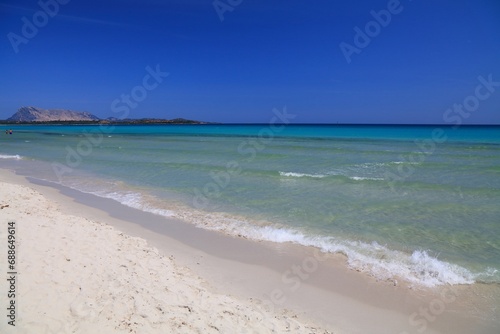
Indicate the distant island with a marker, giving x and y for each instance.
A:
(34, 115)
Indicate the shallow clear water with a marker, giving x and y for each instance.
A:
(419, 202)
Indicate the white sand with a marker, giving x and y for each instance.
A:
(83, 276)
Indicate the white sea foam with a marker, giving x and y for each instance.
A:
(361, 178)
(7, 156)
(292, 174)
(385, 164)
(136, 201)
(404, 162)
(128, 198)
(367, 171)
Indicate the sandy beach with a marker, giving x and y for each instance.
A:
(75, 275)
(84, 270)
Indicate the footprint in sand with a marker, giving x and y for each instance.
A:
(83, 308)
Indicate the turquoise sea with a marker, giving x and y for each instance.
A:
(415, 202)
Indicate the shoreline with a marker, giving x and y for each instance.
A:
(82, 275)
(318, 287)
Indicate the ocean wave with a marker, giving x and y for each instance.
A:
(362, 178)
(134, 200)
(292, 174)
(403, 162)
(7, 156)
(488, 276)
(385, 164)
(418, 268)
(371, 171)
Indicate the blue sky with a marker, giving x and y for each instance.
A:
(262, 55)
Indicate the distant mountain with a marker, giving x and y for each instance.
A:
(33, 114)
(63, 116)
